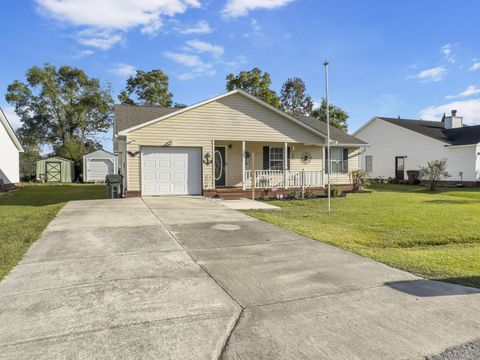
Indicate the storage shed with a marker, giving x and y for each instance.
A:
(98, 164)
(55, 169)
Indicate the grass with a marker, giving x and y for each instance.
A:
(24, 214)
(435, 235)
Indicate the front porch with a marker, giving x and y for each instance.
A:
(240, 166)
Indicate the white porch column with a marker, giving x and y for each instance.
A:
(323, 165)
(243, 165)
(285, 164)
(213, 164)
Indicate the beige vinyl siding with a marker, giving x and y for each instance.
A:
(233, 117)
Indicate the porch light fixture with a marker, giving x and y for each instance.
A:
(230, 146)
(207, 158)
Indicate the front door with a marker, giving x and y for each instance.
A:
(400, 168)
(220, 165)
(53, 170)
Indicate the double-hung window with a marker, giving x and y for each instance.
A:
(276, 158)
(339, 160)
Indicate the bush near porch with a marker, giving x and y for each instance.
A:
(431, 234)
(25, 212)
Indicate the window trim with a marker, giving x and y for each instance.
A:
(342, 163)
(275, 160)
(367, 163)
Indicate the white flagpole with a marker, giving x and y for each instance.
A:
(325, 64)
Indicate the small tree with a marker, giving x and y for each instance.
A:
(255, 82)
(294, 98)
(434, 171)
(338, 117)
(149, 88)
(359, 179)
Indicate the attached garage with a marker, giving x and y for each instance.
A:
(171, 171)
(97, 165)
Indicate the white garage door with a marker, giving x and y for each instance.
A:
(98, 169)
(171, 171)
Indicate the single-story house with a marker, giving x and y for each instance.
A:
(397, 145)
(211, 147)
(98, 164)
(10, 149)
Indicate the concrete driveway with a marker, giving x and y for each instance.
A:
(186, 278)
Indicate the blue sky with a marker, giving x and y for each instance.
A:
(409, 58)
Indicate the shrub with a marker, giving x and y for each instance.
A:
(292, 195)
(335, 191)
(359, 179)
(308, 194)
(434, 171)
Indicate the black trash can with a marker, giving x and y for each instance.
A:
(114, 186)
(413, 177)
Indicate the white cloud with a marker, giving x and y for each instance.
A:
(100, 39)
(12, 117)
(257, 29)
(82, 53)
(236, 8)
(433, 74)
(471, 90)
(475, 66)
(205, 47)
(447, 51)
(109, 18)
(197, 67)
(202, 27)
(469, 109)
(123, 70)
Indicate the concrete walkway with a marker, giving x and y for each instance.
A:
(186, 278)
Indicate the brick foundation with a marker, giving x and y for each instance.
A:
(238, 193)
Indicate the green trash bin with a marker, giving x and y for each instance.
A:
(114, 186)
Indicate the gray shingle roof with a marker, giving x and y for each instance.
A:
(336, 134)
(127, 116)
(435, 129)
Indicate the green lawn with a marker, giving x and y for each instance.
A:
(24, 213)
(435, 235)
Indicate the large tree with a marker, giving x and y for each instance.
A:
(338, 117)
(254, 82)
(59, 107)
(149, 87)
(294, 99)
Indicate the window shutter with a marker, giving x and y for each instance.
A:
(266, 158)
(288, 158)
(345, 160)
(325, 166)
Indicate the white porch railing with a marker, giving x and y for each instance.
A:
(284, 179)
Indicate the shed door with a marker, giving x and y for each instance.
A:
(98, 169)
(171, 171)
(53, 170)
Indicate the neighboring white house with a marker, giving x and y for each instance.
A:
(98, 164)
(398, 145)
(10, 148)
